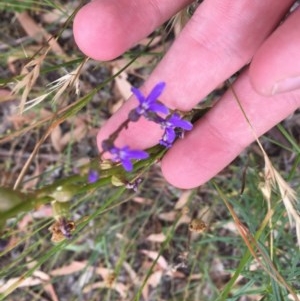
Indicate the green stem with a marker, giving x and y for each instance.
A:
(77, 184)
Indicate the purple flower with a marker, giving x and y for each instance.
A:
(173, 125)
(125, 155)
(93, 176)
(148, 104)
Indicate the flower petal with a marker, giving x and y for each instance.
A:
(138, 94)
(164, 143)
(184, 124)
(93, 176)
(127, 164)
(176, 121)
(136, 154)
(158, 108)
(169, 135)
(156, 92)
(125, 155)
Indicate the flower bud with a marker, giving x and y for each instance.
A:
(64, 193)
(116, 181)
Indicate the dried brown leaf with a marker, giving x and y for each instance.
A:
(58, 15)
(159, 237)
(55, 136)
(47, 284)
(292, 298)
(122, 84)
(38, 278)
(184, 219)
(118, 287)
(152, 281)
(230, 226)
(30, 281)
(41, 212)
(155, 279)
(183, 199)
(74, 267)
(5, 96)
(168, 216)
(37, 32)
(141, 200)
(162, 262)
(77, 134)
(104, 272)
(30, 26)
(132, 274)
(116, 106)
(54, 16)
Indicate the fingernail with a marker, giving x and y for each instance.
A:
(288, 84)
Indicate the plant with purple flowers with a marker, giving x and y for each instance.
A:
(173, 126)
(150, 108)
(149, 104)
(125, 155)
(93, 176)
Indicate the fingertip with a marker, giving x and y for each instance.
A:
(104, 29)
(274, 68)
(96, 30)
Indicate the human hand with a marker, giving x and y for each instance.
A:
(220, 38)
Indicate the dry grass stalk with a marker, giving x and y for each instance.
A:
(255, 249)
(288, 195)
(38, 33)
(266, 189)
(30, 72)
(35, 101)
(70, 80)
(273, 179)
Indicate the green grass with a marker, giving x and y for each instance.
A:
(112, 254)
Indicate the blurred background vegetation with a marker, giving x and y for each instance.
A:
(229, 239)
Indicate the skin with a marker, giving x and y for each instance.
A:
(220, 38)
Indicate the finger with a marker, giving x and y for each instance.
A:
(104, 29)
(223, 133)
(275, 66)
(221, 37)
